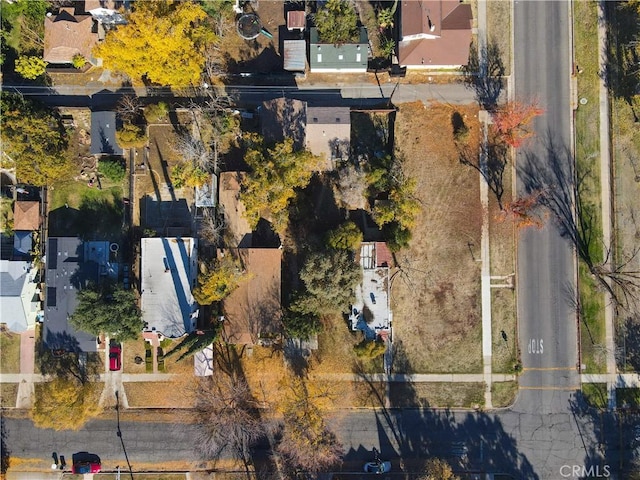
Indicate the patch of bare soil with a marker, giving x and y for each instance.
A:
(436, 291)
(262, 54)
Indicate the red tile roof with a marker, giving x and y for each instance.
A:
(296, 19)
(66, 35)
(26, 216)
(435, 33)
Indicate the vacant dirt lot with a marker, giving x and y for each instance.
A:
(436, 292)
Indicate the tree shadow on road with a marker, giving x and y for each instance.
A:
(469, 440)
(613, 431)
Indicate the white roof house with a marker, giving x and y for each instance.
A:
(371, 311)
(19, 295)
(168, 273)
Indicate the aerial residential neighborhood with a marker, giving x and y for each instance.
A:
(287, 239)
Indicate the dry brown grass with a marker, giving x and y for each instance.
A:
(174, 393)
(436, 293)
(499, 29)
(444, 395)
(130, 350)
(8, 395)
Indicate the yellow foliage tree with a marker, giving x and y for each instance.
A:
(437, 469)
(65, 404)
(189, 175)
(217, 283)
(275, 175)
(163, 43)
(307, 443)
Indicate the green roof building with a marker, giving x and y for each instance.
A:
(344, 58)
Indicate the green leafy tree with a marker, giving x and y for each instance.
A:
(346, 237)
(130, 135)
(330, 279)
(163, 43)
(65, 404)
(275, 175)
(337, 22)
(298, 324)
(23, 26)
(112, 168)
(111, 310)
(30, 67)
(217, 283)
(34, 139)
(369, 348)
(401, 207)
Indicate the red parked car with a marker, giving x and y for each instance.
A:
(86, 467)
(114, 357)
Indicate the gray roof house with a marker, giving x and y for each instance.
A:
(324, 131)
(103, 134)
(344, 58)
(19, 295)
(169, 271)
(67, 271)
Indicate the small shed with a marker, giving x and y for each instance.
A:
(207, 193)
(296, 20)
(295, 55)
(103, 134)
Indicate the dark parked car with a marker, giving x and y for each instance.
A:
(115, 352)
(377, 467)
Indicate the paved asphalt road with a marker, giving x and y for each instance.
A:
(248, 96)
(526, 446)
(546, 279)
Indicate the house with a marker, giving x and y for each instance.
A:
(233, 209)
(168, 274)
(324, 131)
(343, 58)
(20, 304)
(26, 219)
(371, 311)
(103, 134)
(328, 134)
(26, 215)
(67, 271)
(252, 312)
(434, 34)
(67, 34)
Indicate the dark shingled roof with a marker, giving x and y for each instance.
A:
(66, 273)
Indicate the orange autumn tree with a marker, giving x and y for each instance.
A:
(511, 122)
(523, 211)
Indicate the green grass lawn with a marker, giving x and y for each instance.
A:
(587, 124)
(592, 336)
(595, 394)
(503, 394)
(91, 213)
(9, 352)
